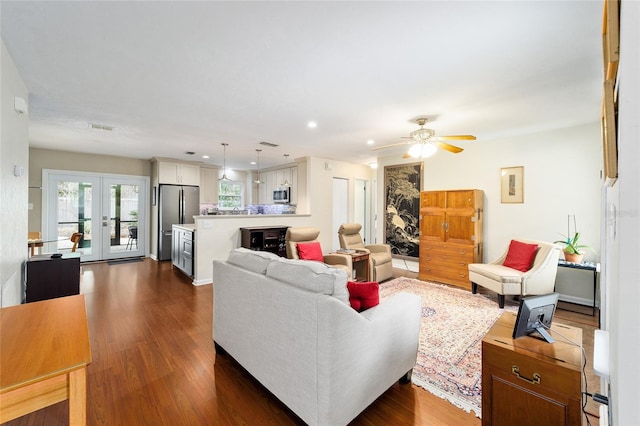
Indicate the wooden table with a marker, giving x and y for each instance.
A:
(360, 262)
(527, 381)
(44, 353)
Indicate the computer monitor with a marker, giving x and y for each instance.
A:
(535, 315)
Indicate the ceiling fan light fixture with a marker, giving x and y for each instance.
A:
(422, 134)
(422, 150)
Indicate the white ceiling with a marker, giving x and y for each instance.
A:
(184, 76)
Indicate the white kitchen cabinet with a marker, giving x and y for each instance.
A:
(265, 193)
(208, 185)
(273, 180)
(293, 194)
(178, 173)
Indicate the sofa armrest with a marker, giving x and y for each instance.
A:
(363, 354)
(542, 279)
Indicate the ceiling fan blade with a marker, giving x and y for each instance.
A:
(390, 146)
(455, 138)
(450, 148)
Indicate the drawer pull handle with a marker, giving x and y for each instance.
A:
(536, 377)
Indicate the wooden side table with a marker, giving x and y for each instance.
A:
(44, 356)
(527, 381)
(360, 262)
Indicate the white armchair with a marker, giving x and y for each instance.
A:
(380, 260)
(540, 279)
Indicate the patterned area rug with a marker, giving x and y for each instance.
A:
(454, 321)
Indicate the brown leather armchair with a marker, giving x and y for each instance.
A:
(310, 235)
(380, 260)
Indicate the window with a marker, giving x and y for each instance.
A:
(230, 195)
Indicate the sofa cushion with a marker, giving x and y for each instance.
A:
(311, 276)
(310, 251)
(254, 261)
(520, 255)
(363, 295)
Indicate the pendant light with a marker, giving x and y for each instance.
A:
(258, 181)
(286, 181)
(224, 170)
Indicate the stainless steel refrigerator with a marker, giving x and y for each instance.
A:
(177, 204)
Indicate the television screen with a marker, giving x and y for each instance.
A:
(535, 315)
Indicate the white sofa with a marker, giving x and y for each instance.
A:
(289, 324)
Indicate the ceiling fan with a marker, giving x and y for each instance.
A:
(424, 143)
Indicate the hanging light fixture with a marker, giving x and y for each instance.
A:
(422, 150)
(224, 170)
(258, 181)
(286, 181)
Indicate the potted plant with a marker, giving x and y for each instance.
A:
(573, 252)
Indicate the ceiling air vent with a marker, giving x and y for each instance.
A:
(100, 127)
(269, 144)
(189, 152)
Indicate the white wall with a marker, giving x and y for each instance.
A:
(623, 279)
(561, 177)
(14, 151)
(320, 174)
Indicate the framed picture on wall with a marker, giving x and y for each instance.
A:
(402, 186)
(512, 184)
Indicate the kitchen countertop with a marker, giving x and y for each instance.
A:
(253, 216)
(186, 226)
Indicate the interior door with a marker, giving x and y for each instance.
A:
(361, 211)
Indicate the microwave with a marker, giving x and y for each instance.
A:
(281, 196)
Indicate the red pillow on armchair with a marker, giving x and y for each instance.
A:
(520, 255)
(310, 251)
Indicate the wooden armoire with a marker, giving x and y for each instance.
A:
(450, 235)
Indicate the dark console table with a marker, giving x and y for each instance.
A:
(48, 277)
(265, 238)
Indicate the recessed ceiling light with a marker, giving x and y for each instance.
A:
(370, 142)
(253, 163)
(373, 165)
(312, 124)
(205, 156)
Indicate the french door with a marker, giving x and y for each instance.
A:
(108, 210)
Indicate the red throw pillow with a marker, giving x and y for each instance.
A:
(363, 296)
(310, 251)
(520, 255)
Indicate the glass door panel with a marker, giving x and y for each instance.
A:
(71, 208)
(124, 199)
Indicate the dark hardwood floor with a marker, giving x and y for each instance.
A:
(154, 362)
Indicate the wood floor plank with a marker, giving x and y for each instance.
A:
(154, 362)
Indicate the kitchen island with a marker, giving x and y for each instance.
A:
(217, 235)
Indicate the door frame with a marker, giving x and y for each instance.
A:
(143, 218)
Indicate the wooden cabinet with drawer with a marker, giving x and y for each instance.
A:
(450, 235)
(527, 381)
